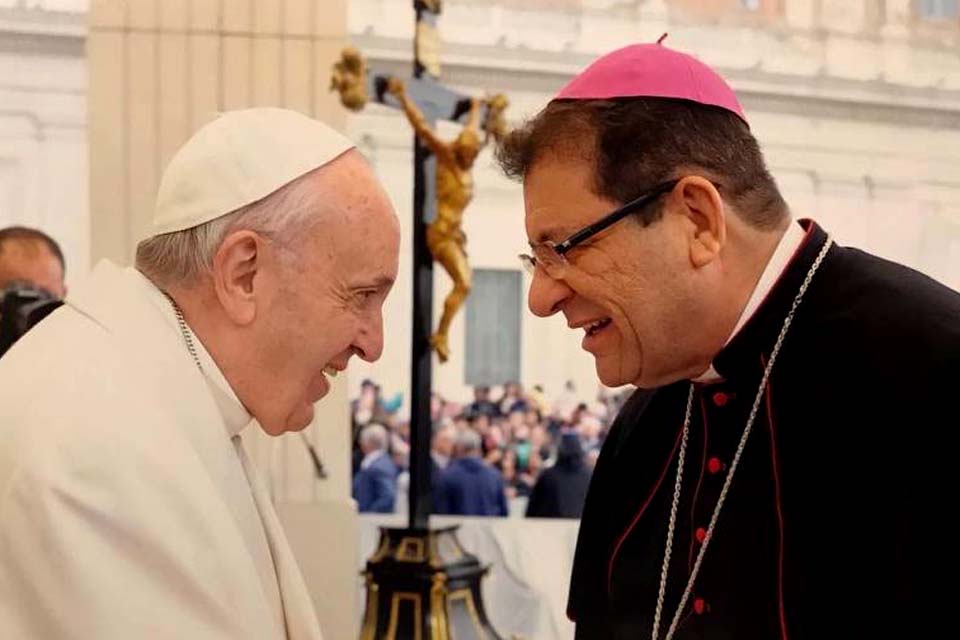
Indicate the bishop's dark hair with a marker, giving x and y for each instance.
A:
(637, 143)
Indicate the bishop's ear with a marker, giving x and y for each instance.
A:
(235, 267)
(705, 214)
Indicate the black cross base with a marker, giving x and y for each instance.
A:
(422, 584)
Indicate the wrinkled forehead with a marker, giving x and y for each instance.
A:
(559, 198)
(360, 236)
(351, 199)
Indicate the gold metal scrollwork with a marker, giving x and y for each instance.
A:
(349, 79)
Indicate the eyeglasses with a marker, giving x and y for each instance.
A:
(551, 255)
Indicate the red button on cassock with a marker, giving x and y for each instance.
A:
(714, 465)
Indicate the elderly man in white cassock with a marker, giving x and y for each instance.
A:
(128, 506)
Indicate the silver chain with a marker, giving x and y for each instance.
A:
(673, 515)
(733, 465)
(184, 330)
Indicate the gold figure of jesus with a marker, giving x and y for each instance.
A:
(445, 237)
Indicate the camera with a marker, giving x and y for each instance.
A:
(22, 305)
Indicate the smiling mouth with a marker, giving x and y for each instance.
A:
(596, 326)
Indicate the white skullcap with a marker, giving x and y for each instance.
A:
(239, 158)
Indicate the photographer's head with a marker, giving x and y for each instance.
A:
(31, 257)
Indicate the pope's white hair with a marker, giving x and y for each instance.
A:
(181, 257)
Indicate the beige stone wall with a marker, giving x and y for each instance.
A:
(160, 69)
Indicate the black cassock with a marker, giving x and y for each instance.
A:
(839, 520)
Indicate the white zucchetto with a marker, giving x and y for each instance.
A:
(238, 158)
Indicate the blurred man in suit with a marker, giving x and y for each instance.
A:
(375, 484)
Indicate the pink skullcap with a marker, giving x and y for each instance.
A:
(651, 71)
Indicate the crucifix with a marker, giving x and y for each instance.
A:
(421, 582)
(443, 188)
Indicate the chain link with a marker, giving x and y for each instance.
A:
(184, 330)
(673, 515)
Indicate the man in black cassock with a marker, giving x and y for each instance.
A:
(785, 468)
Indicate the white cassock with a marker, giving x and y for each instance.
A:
(128, 508)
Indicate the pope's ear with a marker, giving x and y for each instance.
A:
(235, 266)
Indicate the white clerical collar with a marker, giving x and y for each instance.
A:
(789, 243)
(235, 416)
